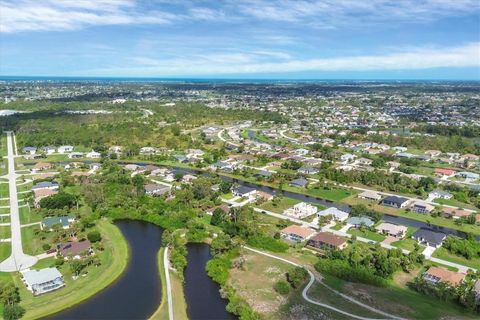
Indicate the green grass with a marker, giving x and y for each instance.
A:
(114, 260)
(455, 203)
(444, 254)
(32, 244)
(5, 232)
(400, 301)
(178, 297)
(29, 215)
(280, 206)
(4, 192)
(367, 234)
(5, 250)
(407, 244)
(338, 226)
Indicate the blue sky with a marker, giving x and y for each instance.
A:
(383, 39)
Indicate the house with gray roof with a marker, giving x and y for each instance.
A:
(63, 221)
(299, 182)
(43, 280)
(360, 221)
(429, 237)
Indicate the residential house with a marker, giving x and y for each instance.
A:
(455, 213)
(49, 149)
(43, 280)
(440, 194)
(391, 229)
(301, 210)
(115, 150)
(421, 207)
(364, 162)
(436, 275)
(75, 155)
(443, 172)
(63, 221)
(188, 178)
(429, 237)
(75, 249)
(357, 222)
(93, 154)
(476, 289)
(156, 190)
(45, 185)
(370, 195)
(148, 150)
(337, 214)
(243, 191)
(327, 240)
(65, 149)
(39, 194)
(300, 182)
(395, 202)
(297, 233)
(40, 166)
(29, 150)
(195, 154)
(433, 153)
(308, 170)
(468, 175)
(348, 157)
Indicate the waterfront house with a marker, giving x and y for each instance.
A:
(49, 150)
(93, 154)
(297, 233)
(421, 207)
(29, 150)
(395, 202)
(40, 166)
(75, 249)
(43, 280)
(370, 195)
(308, 170)
(327, 240)
(392, 230)
(455, 213)
(65, 149)
(429, 237)
(75, 155)
(357, 222)
(300, 182)
(435, 275)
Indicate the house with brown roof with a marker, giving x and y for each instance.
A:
(297, 233)
(39, 194)
(454, 213)
(436, 275)
(75, 249)
(443, 172)
(327, 240)
(40, 166)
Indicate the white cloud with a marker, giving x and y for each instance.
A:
(254, 63)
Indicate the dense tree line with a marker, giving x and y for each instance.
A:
(468, 248)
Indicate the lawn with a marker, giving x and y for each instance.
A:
(32, 244)
(338, 226)
(444, 254)
(4, 192)
(455, 203)
(367, 234)
(5, 232)
(179, 304)
(407, 244)
(5, 250)
(408, 303)
(330, 194)
(28, 215)
(114, 260)
(279, 206)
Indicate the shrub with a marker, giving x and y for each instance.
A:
(282, 287)
(268, 243)
(343, 270)
(296, 276)
(94, 236)
(46, 246)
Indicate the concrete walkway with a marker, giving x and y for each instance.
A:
(312, 281)
(17, 260)
(166, 266)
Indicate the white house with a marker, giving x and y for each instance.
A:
(65, 149)
(43, 280)
(348, 157)
(93, 154)
(337, 214)
(440, 194)
(301, 210)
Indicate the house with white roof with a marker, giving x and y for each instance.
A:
(301, 210)
(336, 213)
(43, 280)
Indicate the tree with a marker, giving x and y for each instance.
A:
(282, 287)
(13, 312)
(94, 236)
(296, 276)
(218, 217)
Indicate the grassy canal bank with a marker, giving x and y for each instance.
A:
(114, 260)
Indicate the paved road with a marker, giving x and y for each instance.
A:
(312, 281)
(17, 260)
(166, 266)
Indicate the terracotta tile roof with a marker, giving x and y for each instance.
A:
(444, 171)
(451, 277)
(329, 238)
(299, 231)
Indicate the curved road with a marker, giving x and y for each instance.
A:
(311, 282)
